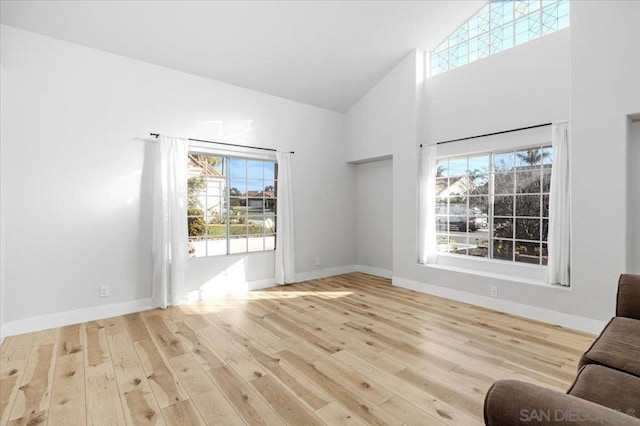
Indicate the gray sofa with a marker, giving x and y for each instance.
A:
(606, 390)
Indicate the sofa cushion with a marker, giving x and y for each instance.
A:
(611, 388)
(628, 304)
(618, 346)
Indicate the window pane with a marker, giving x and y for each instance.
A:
(457, 186)
(255, 187)
(503, 162)
(458, 244)
(503, 205)
(528, 182)
(215, 209)
(458, 166)
(442, 205)
(479, 164)
(238, 187)
(545, 254)
(528, 205)
(547, 156)
(545, 206)
(478, 184)
(503, 249)
(238, 245)
(503, 183)
(255, 169)
(442, 242)
(217, 231)
(269, 170)
(442, 223)
(441, 185)
(503, 228)
(478, 213)
(255, 224)
(270, 224)
(255, 243)
(196, 226)
(270, 242)
(197, 247)
(216, 247)
(270, 205)
(527, 252)
(528, 229)
(546, 181)
(238, 168)
(545, 229)
(478, 247)
(529, 157)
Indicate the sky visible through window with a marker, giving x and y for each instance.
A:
(498, 26)
(251, 175)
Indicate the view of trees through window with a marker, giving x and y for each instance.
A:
(231, 205)
(495, 205)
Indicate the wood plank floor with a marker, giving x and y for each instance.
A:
(349, 349)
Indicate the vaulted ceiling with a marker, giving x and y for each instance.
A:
(322, 53)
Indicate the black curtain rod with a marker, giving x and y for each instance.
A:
(157, 135)
(494, 133)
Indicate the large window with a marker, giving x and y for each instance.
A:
(495, 204)
(498, 26)
(231, 205)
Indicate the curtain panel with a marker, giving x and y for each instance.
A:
(427, 203)
(170, 242)
(559, 240)
(285, 244)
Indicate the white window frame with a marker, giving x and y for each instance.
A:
(512, 141)
(202, 148)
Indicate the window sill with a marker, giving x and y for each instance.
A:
(506, 271)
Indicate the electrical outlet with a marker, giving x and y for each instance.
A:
(494, 291)
(318, 261)
(103, 290)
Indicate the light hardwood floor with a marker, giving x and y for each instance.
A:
(349, 349)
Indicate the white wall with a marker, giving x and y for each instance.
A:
(605, 91)
(578, 74)
(77, 171)
(2, 201)
(633, 215)
(526, 85)
(375, 216)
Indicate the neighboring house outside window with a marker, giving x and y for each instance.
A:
(498, 26)
(231, 205)
(495, 204)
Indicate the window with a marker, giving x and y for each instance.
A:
(231, 205)
(498, 26)
(495, 204)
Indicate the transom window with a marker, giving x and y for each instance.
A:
(495, 204)
(498, 26)
(231, 205)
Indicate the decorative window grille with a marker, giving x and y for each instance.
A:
(231, 205)
(498, 26)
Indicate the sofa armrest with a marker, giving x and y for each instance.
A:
(511, 402)
(628, 302)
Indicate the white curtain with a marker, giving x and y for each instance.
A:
(170, 238)
(560, 208)
(285, 246)
(427, 203)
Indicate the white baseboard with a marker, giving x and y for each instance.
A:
(378, 272)
(323, 273)
(61, 319)
(575, 322)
